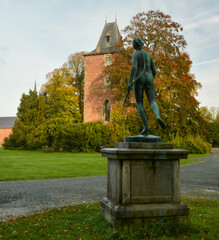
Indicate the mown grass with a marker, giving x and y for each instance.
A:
(35, 165)
(192, 158)
(84, 222)
(31, 165)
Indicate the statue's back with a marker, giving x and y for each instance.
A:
(144, 62)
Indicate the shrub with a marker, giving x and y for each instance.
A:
(84, 137)
(77, 137)
(194, 144)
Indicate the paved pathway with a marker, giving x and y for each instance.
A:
(202, 178)
(24, 197)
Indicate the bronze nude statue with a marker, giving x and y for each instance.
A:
(142, 76)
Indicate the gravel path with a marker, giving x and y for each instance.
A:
(202, 178)
(25, 197)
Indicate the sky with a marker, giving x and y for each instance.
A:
(37, 36)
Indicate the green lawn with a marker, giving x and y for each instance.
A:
(30, 165)
(192, 158)
(84, 222)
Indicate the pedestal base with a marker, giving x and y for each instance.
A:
(141, 214)
(143, 184)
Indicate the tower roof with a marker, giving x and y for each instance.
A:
(109, 36)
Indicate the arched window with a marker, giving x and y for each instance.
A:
(106, 110)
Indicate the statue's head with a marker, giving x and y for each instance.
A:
(137, 43)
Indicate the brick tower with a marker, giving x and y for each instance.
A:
(98, 98)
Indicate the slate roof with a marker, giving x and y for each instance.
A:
(7, 122)
(109, 36)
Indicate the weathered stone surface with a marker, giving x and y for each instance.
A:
(142, 138)
(131, 214)
(143, 145)
(143, 183)
(136, 154)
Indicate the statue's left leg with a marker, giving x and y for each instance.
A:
(138, 88)
(149, 90)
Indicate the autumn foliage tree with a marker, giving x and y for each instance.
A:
(43, 116)
(176, 88)
(76, 65)
(62, 99)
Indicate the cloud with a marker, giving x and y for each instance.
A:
(38, 36)
(207, 62)
(200, 31)
(208, 76)
(201, 22)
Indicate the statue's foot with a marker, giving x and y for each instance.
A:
(162, 123)
(145, 132)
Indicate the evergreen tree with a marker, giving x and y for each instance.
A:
(27, 115)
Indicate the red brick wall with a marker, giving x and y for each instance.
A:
(4, 133)
(95, 93)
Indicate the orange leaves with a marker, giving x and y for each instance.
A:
(157, 30)
(175, 86)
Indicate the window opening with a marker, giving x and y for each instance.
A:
(106, 81)
(107, 109)
(108, 38)
(108, 60)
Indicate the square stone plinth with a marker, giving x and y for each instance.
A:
(143, 183)
(141, 214)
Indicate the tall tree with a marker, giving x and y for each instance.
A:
(27, 121)
(62, 99)
(176, 88)
(214, 111)
(76, 65)
(158, 32)
(61, 103)
(207, 116)
(28, 108)
(211, 116)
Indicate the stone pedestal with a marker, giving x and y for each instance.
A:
(143, 183)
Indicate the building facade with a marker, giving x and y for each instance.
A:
(6, 124)
(98, 98)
